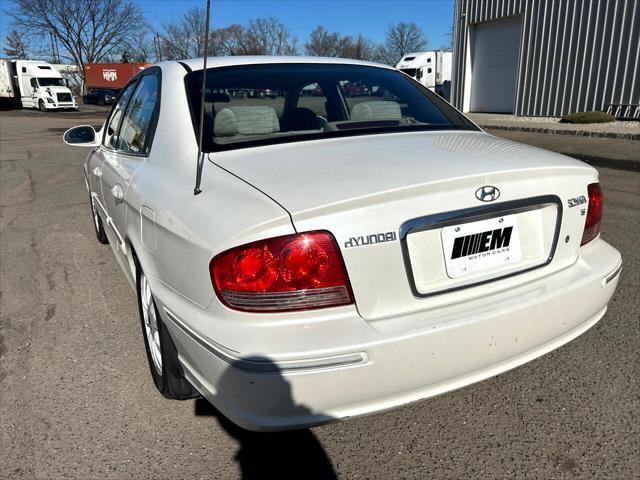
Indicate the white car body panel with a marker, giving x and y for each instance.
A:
(404, 359)
(348, 184)
(392, 346)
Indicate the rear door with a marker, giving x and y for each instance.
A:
(97, 159)
(125, 150)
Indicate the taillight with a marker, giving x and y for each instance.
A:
(293, 272)
(594, 213)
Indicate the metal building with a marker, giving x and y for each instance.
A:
(547, 57)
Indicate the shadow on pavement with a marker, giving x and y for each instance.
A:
(293, 454)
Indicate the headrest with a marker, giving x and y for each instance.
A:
(255, 120)
(377, 110)
(300, 119)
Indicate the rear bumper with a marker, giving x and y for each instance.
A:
(411, 357)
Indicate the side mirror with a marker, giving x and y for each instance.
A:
(83, 136)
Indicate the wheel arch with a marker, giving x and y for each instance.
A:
(138, 258)
(132, 257)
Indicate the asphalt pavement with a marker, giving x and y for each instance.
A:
(599, 152)
(77, 400)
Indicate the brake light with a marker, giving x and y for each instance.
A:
(293, 272)
(594, 213)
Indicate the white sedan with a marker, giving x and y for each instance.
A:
(339, 255)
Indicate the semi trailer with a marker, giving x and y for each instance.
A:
(33, 84)
(432, 69)
(113, 76)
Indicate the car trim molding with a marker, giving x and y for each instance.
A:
(107, 219)
(267, 367)
(186, 67)
(466, 215)
(609, 278)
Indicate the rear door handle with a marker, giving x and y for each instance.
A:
(117, 193)
(97, 171)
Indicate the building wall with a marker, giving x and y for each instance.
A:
(575, 55)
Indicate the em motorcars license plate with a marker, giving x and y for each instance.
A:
(481, 246)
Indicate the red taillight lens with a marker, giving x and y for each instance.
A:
(594, 213)
(294, 272)
(255, 269)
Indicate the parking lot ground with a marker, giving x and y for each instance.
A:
(629, 129)
(77, 400)
(599, 152)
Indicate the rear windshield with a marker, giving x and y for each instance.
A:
(275, 103)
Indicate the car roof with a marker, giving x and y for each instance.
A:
(213, 62)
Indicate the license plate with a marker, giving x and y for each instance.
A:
(481, 246)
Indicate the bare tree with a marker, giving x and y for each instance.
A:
(322, 43)
(402, 38)
(262, 36)
(87, 30)
(184, 38)
(15, 45)
(267, 36)
(140, 47)
(227, 40)
(325, 44)
(360, 48)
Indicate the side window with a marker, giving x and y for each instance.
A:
(134, 129)
(110, 137)
(313, 98)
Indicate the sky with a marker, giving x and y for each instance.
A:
(349, 17)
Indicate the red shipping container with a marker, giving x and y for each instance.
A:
(110, 75)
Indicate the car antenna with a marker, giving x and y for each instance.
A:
(197, 190)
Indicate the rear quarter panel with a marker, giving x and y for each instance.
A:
(190, 229)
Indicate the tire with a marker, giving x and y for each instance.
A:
(101, 102)
(162, 355)
(101, 235)
(41, 106)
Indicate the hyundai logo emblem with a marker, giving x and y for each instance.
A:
(488, 193)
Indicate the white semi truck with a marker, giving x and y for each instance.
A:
(432, 69)
(33, 84)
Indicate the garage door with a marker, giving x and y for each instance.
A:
(496, 46)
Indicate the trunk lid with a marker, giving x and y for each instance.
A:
(394, 201)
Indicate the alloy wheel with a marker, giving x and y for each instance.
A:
(150, 323)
